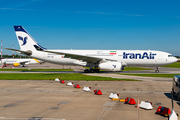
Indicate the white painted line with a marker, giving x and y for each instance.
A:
(29, 118)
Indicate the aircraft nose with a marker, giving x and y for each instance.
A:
(172, 59)
(175, 59)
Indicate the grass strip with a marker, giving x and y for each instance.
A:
(173, 65)
(151, 75)
(36, 70)
(135, 68)
(52, 76)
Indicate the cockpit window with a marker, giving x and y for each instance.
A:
(170, 56)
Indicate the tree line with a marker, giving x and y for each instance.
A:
(15, 56)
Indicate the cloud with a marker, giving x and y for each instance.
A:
(94, 12)
(104, 13)
(20, 5)
(16, 9)
(134, 15)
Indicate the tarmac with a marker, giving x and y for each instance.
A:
(129, 77)
(50, 100)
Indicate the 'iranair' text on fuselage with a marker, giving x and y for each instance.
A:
(145, 55)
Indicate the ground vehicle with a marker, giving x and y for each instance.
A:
(176, 86)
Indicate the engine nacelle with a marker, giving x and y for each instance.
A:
(16, 64)
(113, 66)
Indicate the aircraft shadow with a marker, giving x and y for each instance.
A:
(174, 98)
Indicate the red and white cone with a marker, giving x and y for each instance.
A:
(137, 103)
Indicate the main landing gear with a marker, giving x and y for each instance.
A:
(157, 70)
(91, 70)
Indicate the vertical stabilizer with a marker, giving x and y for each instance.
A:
(26, 42)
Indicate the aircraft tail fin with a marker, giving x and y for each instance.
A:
(26, 42)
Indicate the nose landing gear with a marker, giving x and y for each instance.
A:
(157, 70)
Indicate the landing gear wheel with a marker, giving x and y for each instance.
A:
(157, 70)
(97, 70)
(86, 71)
(92, 70)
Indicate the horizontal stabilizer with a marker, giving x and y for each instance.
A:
(28, 53)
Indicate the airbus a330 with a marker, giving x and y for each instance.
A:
(112, 60)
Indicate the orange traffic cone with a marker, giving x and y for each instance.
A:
(137, 103)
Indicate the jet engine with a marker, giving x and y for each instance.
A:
(113, 66)
(16, 64)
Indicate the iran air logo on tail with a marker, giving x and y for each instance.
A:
(23, 39)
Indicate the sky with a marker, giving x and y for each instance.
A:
(94, 24)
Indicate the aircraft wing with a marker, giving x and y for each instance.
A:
(23, 62)
(20, 51)
(78, 56)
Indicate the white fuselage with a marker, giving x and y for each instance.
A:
(127, 57)
(104, 59)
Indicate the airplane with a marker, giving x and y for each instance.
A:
(112, 60)
(16, 62)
